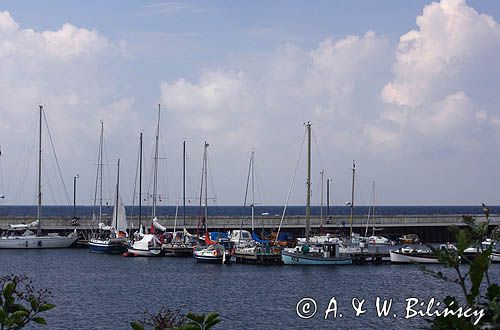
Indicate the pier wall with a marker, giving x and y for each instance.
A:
(430, 228)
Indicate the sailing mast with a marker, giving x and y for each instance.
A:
(203, 185)
(98, 177)
(101, 142)
(184, 184)
(352, 197)
(140, 181)
(155, 175)
(253, 192)
(39, 208)
(250, 173)
(117, 192)
(328, 197)
(308, 200)
(321, 207)
(205, 166)
(371, 210)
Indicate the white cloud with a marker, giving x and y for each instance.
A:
(66, 43)
(290, 86)
(432, 97)
(61, 69)
(263, 105)
(444, 78)
(452, 41)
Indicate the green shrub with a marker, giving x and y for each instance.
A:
(20, 303)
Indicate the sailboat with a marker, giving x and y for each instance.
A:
(374, 239)
(111, 238)
(212, 251)
(248, 248)
(313, 254)
(21, 237)
(179, 245)
(149, 245)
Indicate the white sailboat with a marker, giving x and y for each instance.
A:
(179, 244)
(374, 239)
(248, 248)
(212, 251)
(111, 238)
(149, 245)
(23, 238)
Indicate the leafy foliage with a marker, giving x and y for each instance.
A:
(172, 320)
(202, 321)
(471, 272)
(20, 303)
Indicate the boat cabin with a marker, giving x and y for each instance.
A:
(240, 237)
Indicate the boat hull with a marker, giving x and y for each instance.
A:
(290, 258)
(153, 252)
(37, 242)
(204, 256)
(209, 260)
(408, 258)
(172, 250)
(107, 247)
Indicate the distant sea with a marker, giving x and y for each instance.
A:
(85, 211)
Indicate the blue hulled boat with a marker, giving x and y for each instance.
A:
(324, 254)
(108, 245)
(113, 238)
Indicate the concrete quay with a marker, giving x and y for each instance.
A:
(430, 228)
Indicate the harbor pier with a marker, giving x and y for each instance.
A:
(430, 228)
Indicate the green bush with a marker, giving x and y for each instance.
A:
(470, 274)
(20, 303)
(173, 320)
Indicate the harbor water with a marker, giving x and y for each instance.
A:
(94, 291)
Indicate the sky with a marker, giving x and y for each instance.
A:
(407, 89)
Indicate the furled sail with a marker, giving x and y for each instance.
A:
(186, 233)
(121, 217)
(158, 225)
(23, 225)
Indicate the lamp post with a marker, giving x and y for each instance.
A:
(328, 197)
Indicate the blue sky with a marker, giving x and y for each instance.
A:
(413, 100)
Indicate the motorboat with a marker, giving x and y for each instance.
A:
(213, 253)
(326, 254)
(241, 238)
(409, 239)
(411, 255)
(378, 240)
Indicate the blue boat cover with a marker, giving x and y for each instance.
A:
(258, 240)
(215, 235)
(285, 237)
